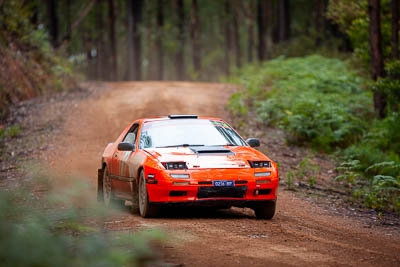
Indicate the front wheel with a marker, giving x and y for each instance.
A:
(265, 210)
(146, 209)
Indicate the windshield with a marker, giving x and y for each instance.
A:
(188, 132)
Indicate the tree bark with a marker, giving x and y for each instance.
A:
(262, 16)
(130, 65)
(318, 21)
(160, 51)
(377, 67)
(395, 29)
(195, 37)
(53, 21)
(275, 22)
(134, 71)
(250, 46)
(113, 40)
(227, 36)
(236, 37)
(101, 57)
(180, 56)
(284, 20)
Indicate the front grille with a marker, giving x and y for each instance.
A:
(205, 182)
(222, 191)
(177, 193)
(241, 182)
(264, 191)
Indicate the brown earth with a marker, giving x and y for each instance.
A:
(301, 233)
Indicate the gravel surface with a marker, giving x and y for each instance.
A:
(312, 226)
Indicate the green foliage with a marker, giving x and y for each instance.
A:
(58, 230)
(306, 168)
(315, 99)
(390, 85)
(352, 17)
(319, 101)
(28, 64)
(372, 166)
(289, 180)
(10, 132)
(236, 104)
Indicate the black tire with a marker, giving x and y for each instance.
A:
(146, 209)
(266, 210)
(135, 199)
(108, 195)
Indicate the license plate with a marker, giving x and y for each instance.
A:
(223, 183)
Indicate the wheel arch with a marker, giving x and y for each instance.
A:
(140, 169)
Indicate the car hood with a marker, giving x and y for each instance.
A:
(201, 157)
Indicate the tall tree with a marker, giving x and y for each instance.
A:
(101, 56)
(377, 67)
(194, 33)
(247, 10)
(395, 29)
(236, 36)
(180, 55)
(227, 35)
(53, 21)
(160, 51)
(68, 20)
(262, 19)
(318, 21)
(134, 8)
(284, 20)
(113, 40)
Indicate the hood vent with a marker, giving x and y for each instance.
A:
(211, 150)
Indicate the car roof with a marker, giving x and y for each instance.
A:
(164, 118)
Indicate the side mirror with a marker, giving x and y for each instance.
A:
(253, 142)
(126, 146)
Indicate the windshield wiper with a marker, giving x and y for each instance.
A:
(181, 145)
(226, 145)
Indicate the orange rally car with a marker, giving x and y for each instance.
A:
(187, 160)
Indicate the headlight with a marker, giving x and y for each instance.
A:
(179, 175)
(260, 164)
(262, 174)
(175, 165)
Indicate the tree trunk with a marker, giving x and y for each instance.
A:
(262, 16)
(160, 52)
(250, 46)
(227, 36)
(180, 56)
(377, 67)
(236, 37)
(318, 21)
(275, 22)
(53, 21)
(130, 65)
(69, 22)
(101, 57)
(284, 20)
(194, 35)
(113, 40)
(395, 29)
(134, 8)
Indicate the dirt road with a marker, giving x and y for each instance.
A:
(301, 233)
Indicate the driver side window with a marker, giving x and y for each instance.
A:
(132, 134)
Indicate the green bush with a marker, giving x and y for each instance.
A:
(315, 99)
(65, 228)
(322, 103)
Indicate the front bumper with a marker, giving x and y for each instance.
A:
(222, 203)
(199, 189)
(199, 195)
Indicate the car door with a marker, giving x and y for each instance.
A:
(121, 180)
